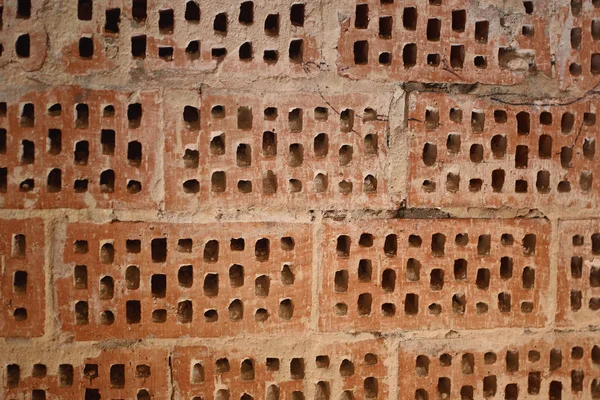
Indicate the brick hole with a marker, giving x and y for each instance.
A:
(459, 302)
(139, 10)
(185, 276)
(595, 277)
(370, 359)
(555, 392)
(217, 148)
(272, 25)
(192, 11)
(460, 269)
(528, 31)
(134, 153)
(409, 18)
(107, 317)
(409, 55)
(361, 20)
(159, 250)
(19, 246)
(459, 20)
(191, 116)
(498, 176)
(345, 155)
(589, 148)
(489, 358)
(84, 10)
(390, 246)
(3, 140)
(193, 49)
(529, 243)
(65, 375)
(577, 353)
(500, 116)
(107, 288)
(468, 364)
(117, 376)
(457, 56)
(438, 242)
(243, 155)
(576, 34)
(297, 14)
(211, 316)
(246, 13)
(272, 364)
(481, 31)
(247, 370)
(286, 309)
(429, 154)
(489, 386)
(297, 368)
(388, 309)
(245, 52)
(113, 19)
(262, 249)
(23, 46)
(589, 119)
(575, 299)
(528, 278)
(443, 388)
(585, 181)
(385, 27)
(273, 392)
(107, 253)
(197, 375)
(453, 143)
(108, 112)
(421, 394)
(271, 56)
(506, 268)
(511, 391)
(577, 380)
(321, 145)
(512, 361)
(38, 394)
(26, 186)
(158, 285)
(81, 313)
(86, 48)
(218, 182)
(185, 245)
(567, 122)
(475, 185)
(477, 121)
(269, 182)
(364, 303)
(54, 141)
(236, 275)
(185, 311)
(498, 145)
(481, 308)
(27, 152)
(365, 270)
(436, 280)
(39, 371)
(413, 270)
(595, 388)
(370, 184)
(341, 281)
(262, 284)
(222, 394)
(80, 277)
(92, 394)
(480, 62)
(476, 153)
(484, 245)
(435, 309)
(434, 27)
(555, 359)
(82, 115)
(237, 244)
(346, 368)
(545, 146)
(422, 365)
(411, 304)
(523, 123)
(504, 304)
(138, 46)
(287, 275)
(165, 53)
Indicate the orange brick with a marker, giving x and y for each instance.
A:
(467, 151)
(434, 274)
(121, 373)
(578, 296)
(225, 36)
(66, 148)
(138, 280)
(320, 372)
(23, 289)
(566, 367)
(449, 41)
(23, 39)
(276, 150)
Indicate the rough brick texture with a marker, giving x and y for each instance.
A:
(299, 200)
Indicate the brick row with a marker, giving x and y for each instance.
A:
(78, 148)
(470, 151)
(138, 280)
(578, 297)
(427, 274)
(567, 367)
(444, 41)
(22, 278)
(141, 374)
(276, 150)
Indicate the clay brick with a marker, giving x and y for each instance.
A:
(467, 151)
(138, 280)
(428, 274)
(115, 374)
(268, 39)
(23, 287)
(296, 151)
(450, 41)
(78, 148)
(562, 368)
(578, 295)
(358, 369)
(577, 46)
(23, 39)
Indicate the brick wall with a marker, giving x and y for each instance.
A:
(289, 200)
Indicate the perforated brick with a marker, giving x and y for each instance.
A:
(23, 39)
(336, 370)
(578, 295)
(288, 150)
(78, 148)
(234, 37)
(444, 41)
(140, 374)
(426, 274)
(467, 151)
(137, 280)
(577, 44)
(23, 289)
(566, 367)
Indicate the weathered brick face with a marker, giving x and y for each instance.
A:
(137, 280)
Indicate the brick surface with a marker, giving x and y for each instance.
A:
(428, 274)
(452, 41)
(23, 39)
(276, 150)
(114, 374)
(355, 369)
(23, 287)
(563, 368)
(578, 295)
(467, 151)
(220, 36)
(63, 148)
(213, 280)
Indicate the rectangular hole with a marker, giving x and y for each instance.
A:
(166, 21)
(139, 10)
(457, 56)
(459, 20)
(133, 310)
(481, 31)
(409, 18)
(362, 16)
(19, 246)
(385, 27)
(54, 141)
(361, 52)
(107, 139)
(117, 376)
(65, 375)
(23, 9)
(84, 10)
(27, 152)
(521, 156)
(484, 245)
(80, 277)
(138, 46)
(159, 250)
(113, 18)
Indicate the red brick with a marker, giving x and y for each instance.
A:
(565, 367)
(576, 44)
(340, 367)
(473, 153)
(405, 285)
(287, 265)
(143, 371)
(23, 289)
(367, 160)
(578, 296)
(21, 167)
(409, 31)
(23, 39)
(114, 49)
